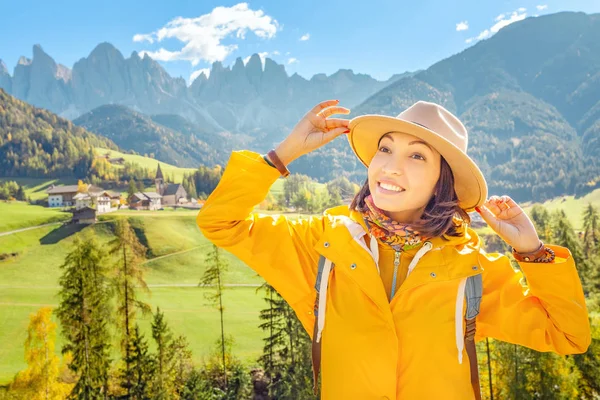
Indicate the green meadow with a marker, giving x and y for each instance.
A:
(17, 215)
(571, 206)
(177, 254)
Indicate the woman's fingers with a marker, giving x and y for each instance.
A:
(493, 204)
(322, 105)
(326, 112)
(488, 216)
(503, 205)
(336, 123)
(509, 202)
(332, 134)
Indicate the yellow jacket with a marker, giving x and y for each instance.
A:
(407, 348)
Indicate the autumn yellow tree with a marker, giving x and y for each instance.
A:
(40, 381)
(81, 187)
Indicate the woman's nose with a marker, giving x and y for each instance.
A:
(393, 168)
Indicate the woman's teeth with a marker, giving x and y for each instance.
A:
(390, 187)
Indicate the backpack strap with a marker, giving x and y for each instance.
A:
(316, 342)
(473, 293)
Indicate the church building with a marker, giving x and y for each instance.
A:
(172, 193)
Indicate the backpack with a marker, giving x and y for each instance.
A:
(473, 293)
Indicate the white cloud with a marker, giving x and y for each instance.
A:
(469, 40)
(515, 16)
(143, 38)
(287, 54)
(275, 53)
(462, 26)
(195, 74)
(202, 36)
(262, 56)
(305, 37)
(484, 35)
(502, 20)
(292, 60)
(542, 7)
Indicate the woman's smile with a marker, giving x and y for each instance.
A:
(389, 189)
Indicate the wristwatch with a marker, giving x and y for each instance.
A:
(273, 160)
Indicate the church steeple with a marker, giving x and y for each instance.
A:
(159, 181)
(159, 174)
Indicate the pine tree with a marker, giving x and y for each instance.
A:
(127, 277)
(182, 362)
(213, 276)
(542, 221)
(286, 357)
(273, 318)
(163, 382)
(588, 365)
(40, 381)
(591, 247)
(20, 194)
(591, 229)
(131, 189)
(141, 367)
(237, 386)
(84, 315)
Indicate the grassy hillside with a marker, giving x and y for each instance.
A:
(573, 207)
(17, 215)
(147, 162)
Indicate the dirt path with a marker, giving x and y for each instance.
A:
(28, 229)
(171, 254)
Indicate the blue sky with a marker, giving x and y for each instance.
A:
(379, 38)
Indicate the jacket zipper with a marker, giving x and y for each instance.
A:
(396, 264)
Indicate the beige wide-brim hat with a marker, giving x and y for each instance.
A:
(439, 128)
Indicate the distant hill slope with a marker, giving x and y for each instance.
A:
(37, 143)
(134, 131)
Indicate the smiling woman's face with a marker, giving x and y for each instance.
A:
(402, 176)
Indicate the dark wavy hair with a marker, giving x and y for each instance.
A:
(438, 217)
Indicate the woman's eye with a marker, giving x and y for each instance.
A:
(420, 157)
(384, 149)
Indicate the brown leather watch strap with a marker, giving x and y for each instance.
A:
(278, 164)
(541, 254)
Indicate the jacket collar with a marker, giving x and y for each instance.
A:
(357, 228)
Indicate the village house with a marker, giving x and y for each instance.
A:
(101, 201)
(61, 196)
(95, 196)
(145, 201)
(85, 215)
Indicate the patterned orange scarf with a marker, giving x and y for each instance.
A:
(399, 236)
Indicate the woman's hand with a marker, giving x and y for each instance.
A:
(313, 131)
(511, 223)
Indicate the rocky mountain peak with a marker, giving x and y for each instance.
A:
(24, 61)
(3, 69)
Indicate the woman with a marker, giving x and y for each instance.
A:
(392, 324)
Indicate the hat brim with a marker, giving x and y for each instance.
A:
(469, 183)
